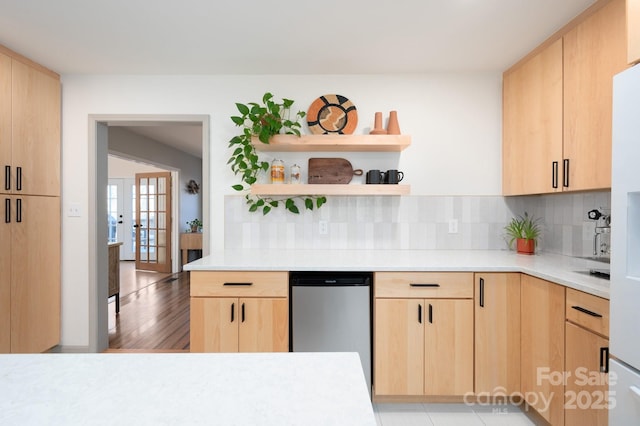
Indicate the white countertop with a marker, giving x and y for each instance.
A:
(184, 388)
(569, 271)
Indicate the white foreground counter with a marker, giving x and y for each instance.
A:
(184, 389)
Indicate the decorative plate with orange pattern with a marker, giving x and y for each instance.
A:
(332, 114)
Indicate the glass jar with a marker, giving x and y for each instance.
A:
(295, 174)
(277, 171)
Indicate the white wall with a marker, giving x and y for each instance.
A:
(454, 121)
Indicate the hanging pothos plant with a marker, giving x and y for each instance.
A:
(263, 121)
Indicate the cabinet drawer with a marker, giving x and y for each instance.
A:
(424, 284)
(589, 311)
(239, 284)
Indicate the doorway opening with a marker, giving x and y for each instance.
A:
(100, 143)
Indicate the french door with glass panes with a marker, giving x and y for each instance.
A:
(121, 207)
(153, 221)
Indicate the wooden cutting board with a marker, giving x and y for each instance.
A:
(331, 170)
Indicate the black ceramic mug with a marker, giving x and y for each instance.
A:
(393, 176)
(375, 176)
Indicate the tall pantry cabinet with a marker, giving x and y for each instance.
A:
(30, 198)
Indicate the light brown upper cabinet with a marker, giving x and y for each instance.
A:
(558, 106)
(633, 31)
(30, 130)
(594, 52)
(532, 123)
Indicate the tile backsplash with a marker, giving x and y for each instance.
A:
(417, 222)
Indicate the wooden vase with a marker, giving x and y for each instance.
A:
(393, 128)
(377, 125)
(524, 246)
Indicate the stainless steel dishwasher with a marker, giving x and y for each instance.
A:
(331, 312)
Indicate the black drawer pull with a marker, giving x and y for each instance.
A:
(586, 311)
(7, 178)
(424, 285)
(7, 210)
(565, 172)
(233, 312)
(482, 292)
(242, 314)
(238, 284)
(554, 174)
(19, 210)
(19, 178)
(420, 314)
(604, 360)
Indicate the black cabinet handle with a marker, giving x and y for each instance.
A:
(19, 210)
(238, 284)
(7, 178)
(430, 313)
(482, 292)
(554, 174)
(233, 311)
(19, 178)
(565, 172)
(7, 210)
(243, 312)
(423, 285)
(586, 311)
(420, 313)
(604, 360)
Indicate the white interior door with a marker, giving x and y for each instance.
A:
(121, 202)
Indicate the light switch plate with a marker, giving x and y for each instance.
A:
(74, 210)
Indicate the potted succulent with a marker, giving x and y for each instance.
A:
(263, 120)
(524, 230)
(195, 225)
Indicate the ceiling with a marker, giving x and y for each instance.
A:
(279, 36)
(276, 37)
(183, 136)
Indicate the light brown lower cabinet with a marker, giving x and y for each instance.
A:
(30, 270)
(497, 334)
(586, 390)
(239, 312)
(542, 347)
(423, 347)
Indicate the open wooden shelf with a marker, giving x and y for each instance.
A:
(339, 143)
(329, 189)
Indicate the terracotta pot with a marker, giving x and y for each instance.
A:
(377, 126)
(393, 128)
(524, 246)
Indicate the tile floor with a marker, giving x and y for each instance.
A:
(449, 415)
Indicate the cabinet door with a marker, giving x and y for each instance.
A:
(264, 325)
(586, 388)
(5, 276)
(5, 121)
(448, 346)
(35, 273)
(542, 348)
(399, 347)
(214, 324)
(497, 334)
(594, 51)
(633, 31)
(532, 124)
(36, 131)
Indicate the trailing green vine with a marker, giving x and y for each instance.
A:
(264, 120)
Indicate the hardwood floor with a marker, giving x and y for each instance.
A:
(154, 316)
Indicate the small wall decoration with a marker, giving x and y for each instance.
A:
(193, 187)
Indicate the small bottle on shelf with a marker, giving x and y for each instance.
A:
(277, 171)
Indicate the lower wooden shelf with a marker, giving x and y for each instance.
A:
(329, 189)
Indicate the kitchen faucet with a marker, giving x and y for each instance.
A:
(603, 226)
